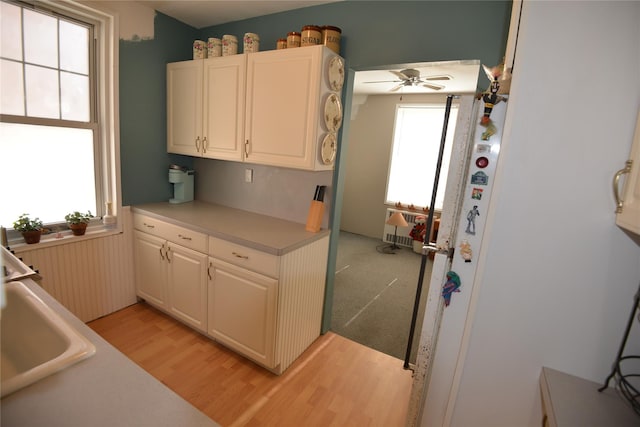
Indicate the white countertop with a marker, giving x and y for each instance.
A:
(106, 389)
(268, 234)
(573, 401)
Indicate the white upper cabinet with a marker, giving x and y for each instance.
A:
(205, 107)
(628, 209)
(287, 91)
(289, 115)
(184, 107)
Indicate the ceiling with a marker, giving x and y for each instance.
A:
(203, 13)
(464, 78)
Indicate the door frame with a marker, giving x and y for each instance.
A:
(455, 186)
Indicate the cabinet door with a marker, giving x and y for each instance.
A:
(282, 107)
(184, 107)
(242, 311)
(150, 268)
(187, 284)
(629, 218)
(223, 108)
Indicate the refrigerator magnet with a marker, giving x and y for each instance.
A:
(476, 193)
(450, 286)
(479, 178)
(465, 251)
(482, 162)
(471, 220)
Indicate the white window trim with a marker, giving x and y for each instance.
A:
(107, 88)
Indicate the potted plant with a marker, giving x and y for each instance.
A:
(418, 233)
(78, 221)
(31, 229)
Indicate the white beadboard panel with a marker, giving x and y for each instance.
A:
(92, 277)
(301, 297)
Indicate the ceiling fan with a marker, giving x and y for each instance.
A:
(411, 77)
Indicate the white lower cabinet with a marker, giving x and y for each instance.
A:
(265, 307)
(171, 277)
(242, 311)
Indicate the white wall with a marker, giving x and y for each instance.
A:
(556, 276)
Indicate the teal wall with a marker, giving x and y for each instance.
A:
(143, 114)
(374, 33)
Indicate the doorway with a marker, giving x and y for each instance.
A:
(373, 296)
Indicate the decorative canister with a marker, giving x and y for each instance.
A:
(311, 35)
(214, 47)
(251, 42)
(229, 45)
(331, 38)
(199, 49)
(293, 39)
(281, 44)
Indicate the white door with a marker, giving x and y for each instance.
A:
(444, 327)
(151, 268)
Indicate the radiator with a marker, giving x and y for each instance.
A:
(92, 277)
(403, 232)
(300, 300)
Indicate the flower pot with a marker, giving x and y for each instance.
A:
(32, 236)
(78, 229)
(417, 246)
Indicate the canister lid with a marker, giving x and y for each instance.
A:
(293, 33)
(311, 27)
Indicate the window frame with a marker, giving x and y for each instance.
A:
(104, 118)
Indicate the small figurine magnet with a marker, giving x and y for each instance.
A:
(451, 285)
(491, 98)
(465, 251)
(471, 220)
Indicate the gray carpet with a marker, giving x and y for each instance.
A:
(374, 294)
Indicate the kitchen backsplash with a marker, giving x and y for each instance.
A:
(278, 192)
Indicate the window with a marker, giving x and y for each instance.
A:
(58, 117)
(414, 154)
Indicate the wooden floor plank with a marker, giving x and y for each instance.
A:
(336, 382)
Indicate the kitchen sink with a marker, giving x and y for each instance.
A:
(36, 341)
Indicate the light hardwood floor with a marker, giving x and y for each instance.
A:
(336, 382)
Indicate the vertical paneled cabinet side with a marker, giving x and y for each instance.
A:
(266, 307)
(285, 107)
(171, 269)
(205, 107)
(628, 209)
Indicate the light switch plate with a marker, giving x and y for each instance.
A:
(248, 175)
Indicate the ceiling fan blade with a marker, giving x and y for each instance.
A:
(395, 88)
(385, 81)
(400, 74)
(439, 77)
(433, 86)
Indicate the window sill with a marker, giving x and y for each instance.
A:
(64, 237)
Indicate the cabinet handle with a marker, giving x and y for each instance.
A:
(616, 182)
(161, 254)
(205, 145)
(184, 237)
(167, 254)
(209, 271)
(237, 255)
(148, 225)
(198, 144)
(246, 149)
